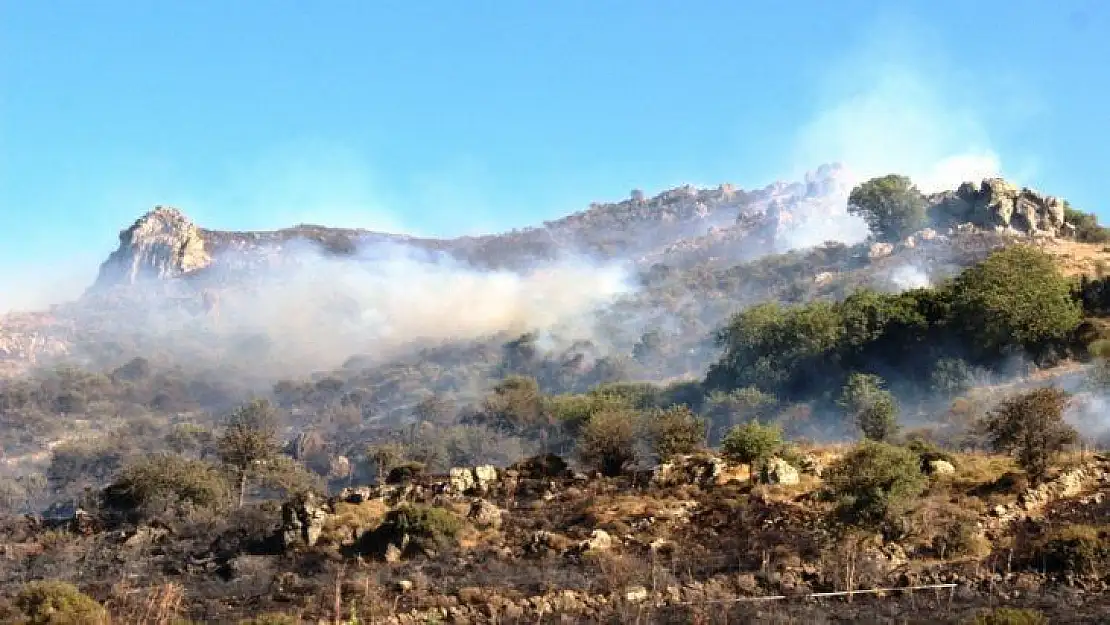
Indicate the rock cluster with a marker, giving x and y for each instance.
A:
(995, 203)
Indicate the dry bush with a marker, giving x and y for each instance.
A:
(159, 605)
(351, 521)
(614, 573)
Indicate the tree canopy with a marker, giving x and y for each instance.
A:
(891, 205)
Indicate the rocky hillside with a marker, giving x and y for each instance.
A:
(696, 255)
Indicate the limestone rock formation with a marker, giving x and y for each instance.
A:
(303, 520)
(163, 243)
(995, 203)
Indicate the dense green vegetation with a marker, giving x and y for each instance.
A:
(1014, 303)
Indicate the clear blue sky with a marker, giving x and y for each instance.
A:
(456, 117)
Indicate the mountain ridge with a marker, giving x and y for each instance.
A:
(688, 250)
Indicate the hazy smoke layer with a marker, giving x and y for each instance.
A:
(304, 311)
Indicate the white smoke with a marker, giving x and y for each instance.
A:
(907, 277)
(887, 108)
(316, 311)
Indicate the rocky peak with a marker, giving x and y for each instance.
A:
(996, 203)
(163, 243)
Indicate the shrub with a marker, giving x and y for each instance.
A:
(404, 473)
(1031, 426)
(168, 480)
(608, 440)
(874, 480)
(1016, 298)
(752, 444)
(272, 618)
(1080, 549)
(1010, 616)
(872, 407)
(428, 525)
(58, 603)
(676, 431)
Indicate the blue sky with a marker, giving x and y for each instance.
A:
(444, 118)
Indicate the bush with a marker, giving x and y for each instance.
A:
(168, 480)
(874, 480)
(1010, 616)
(58, 603)
(1016, 298)
(1080, 549)
(676, 431)
(272, 618)
(608, 440)
(872, 407)
(431, 526)
(1031, 426)
(752, 444)
(404, 473)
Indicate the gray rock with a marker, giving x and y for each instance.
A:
(940, 467)
(484, 514)
(303, 520)
(779, 471)
(636, 594)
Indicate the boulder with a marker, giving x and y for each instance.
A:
(461, 480)
(779, 471)
(599, 540)
(636, 594)
(698, 469)
(302, 520)
(880, 250)
(484, 514)
(485, 476)
(940, 467)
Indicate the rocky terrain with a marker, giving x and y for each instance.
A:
(230, 427)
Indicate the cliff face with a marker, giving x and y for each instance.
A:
(161, 244)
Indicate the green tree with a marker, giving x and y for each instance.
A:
(874, 480)
(249, 441)
(950, 377)
(872, 407)
(608, 439)
(675, 431)
(891, 205)
(1031, 427)
(779, 350)
(1015, 298)
(752, 444)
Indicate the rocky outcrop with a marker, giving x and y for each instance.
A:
(163, 243)
(995, 203)
(302, 520)
(779, 471)
(702, 470)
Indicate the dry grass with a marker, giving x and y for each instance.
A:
(1076, 259)
(159, 605)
